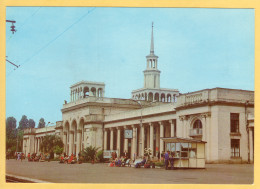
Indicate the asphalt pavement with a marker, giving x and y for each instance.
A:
(101, 173)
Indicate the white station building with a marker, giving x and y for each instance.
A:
(221, 117)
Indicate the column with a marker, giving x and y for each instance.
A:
(29, 146)
(105, 140)
(161, 135)
(134, 147)
(142, 140)
(35, 145)
(157, 139)
(65, 141)
(172, 128)
(151, 138)
(70, 142)
(207, 151)
(203, 128)
(183, 127)
(125, 142)
(148, 137)
(118, 141)
(111, 139)
(78, 141)
(251, 146)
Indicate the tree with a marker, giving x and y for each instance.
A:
(58, 150)
(31, 123)
(50, 142)
(41, 123)
(24, 123)
(10, 128)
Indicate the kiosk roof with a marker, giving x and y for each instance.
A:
(182, 140)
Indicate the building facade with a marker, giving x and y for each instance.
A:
(223, 118)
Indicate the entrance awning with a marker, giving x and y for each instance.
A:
(181, 140)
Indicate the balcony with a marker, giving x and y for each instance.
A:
(195, 132)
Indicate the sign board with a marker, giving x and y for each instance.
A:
(108, 153)
(128, 133)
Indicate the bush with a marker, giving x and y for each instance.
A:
(159, 164)
(89, 153)
(100, 156)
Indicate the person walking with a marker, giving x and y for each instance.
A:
(18, 156)
(166, 158)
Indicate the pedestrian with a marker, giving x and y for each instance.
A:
(125, 154)
(171, 159)
(166, 158)
(29, 157)
(162, 156)
(113, 156)
(22, 157)
(18, 156)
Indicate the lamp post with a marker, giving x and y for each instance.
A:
(17, 140)
(141, 120)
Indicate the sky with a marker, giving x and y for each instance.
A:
(198, 48)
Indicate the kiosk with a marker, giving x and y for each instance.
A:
(187, 153)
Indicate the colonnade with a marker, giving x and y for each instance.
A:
(146, 135)
(81, 92)
(73, 141)
(162, 97)
(32, 146)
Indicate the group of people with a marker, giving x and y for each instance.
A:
(168, 158)
(38, 157)
(72, 159)
(33, 157)
(119, 162)
(19, 156)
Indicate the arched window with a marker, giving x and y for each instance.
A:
(197, 124)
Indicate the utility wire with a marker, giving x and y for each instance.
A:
(24, 22)
(54, 39)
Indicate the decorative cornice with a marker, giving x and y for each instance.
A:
(213, 103)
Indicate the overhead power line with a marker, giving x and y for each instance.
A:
(55, 38)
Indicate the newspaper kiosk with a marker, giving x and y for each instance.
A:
(187, 153)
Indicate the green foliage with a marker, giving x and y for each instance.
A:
(10, 143)
(159, 164)
(11, 128)
(89, 153)
(41, 123)
(58, 150)
(100, 156)
(31, 123)
(49, 142)
(11, 136)
(24, 123)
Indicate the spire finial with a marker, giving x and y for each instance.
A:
(152, 45)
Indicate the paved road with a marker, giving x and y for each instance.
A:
(101, 173)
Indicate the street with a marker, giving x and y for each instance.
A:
(101, 173)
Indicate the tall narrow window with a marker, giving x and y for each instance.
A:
(235, 148)
(234, 122)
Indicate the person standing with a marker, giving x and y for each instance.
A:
(18, 156)
(125, 154)
(166, 158)
(29, 157)
(162, 156)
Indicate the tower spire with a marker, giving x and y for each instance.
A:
(152, 45)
